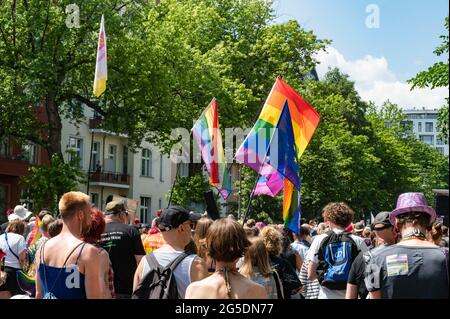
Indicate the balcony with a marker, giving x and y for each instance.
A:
(94, 126)
(13, 165)
(110, 179)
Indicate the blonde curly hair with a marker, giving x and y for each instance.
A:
(272, 238)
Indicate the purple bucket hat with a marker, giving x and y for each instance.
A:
(412, 202)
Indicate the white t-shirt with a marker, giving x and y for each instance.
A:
(17, 244)
(312, 255)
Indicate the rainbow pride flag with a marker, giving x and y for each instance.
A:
(206, 132)
(304, 122)
(35, 232)
(291, 207)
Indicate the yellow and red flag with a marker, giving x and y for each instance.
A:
(101, 67)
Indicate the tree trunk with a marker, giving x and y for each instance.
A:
(54, 128)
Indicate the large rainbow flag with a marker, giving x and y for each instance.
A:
(304, 122)
(207, 134)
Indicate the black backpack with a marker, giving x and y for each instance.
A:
(336, 255)
(159, 282)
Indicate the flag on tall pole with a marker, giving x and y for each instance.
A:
(101, 66)
(207, 134)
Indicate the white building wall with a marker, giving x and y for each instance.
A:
(425, 128)
(154, 187)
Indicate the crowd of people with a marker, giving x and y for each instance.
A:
(87, 253)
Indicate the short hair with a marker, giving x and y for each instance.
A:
(250, 223)
(55, 228)
(338, 213)
(272, 238)
(97, 226)
(43, 213)
(226, 240)
(413, 219)
(46, 221)
(17, 227)
(304, 231)
(72, 202)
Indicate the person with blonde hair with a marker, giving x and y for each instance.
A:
(272, 239)
(66, 258)
(226, 242)
(256, 266)
(201, 230)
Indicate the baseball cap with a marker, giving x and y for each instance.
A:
(115, 207)
(174, 216)
(381, 220)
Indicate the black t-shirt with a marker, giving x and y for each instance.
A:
(122, 242)
(356, 275)
(291, 257)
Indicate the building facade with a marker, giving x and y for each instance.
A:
(424, 126)
(144, 176)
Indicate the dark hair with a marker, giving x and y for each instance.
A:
(226, 240)
(55, 228)
(108, 199)
(304, 231)
(414, 219)
(338, 213)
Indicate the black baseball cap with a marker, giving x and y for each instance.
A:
(381, 221)
(174, 216)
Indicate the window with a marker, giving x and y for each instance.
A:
(160, 203)
(429, 127)
(95, 159)
(437, 129)
(183, 169)
(146, 206)
(419, 126)
(29, 153)
(440, 150)
(161, 173)
(111, 159)
(94, 199)
(427, 139)
(146, 164)
(125, 160)
(76, 145)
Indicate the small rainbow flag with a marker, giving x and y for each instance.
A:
(291, 207)
(207, 134)
(35, 232)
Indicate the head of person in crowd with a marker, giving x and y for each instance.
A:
(154, 226)
(322, 228)
(231, 216)
(250, 223)
(55, 228)
(201, 229)
(435, 234)
(313, 223)
(175, 224)
(412, 215)
(46, 221)
(367, 232)
(383, 229)
(304, 233)
(75, 210)
(358, 229)
(227, 242)
(44, 212)
(444, 231)
(273, 240)
(17, 226)
(97, 228)
(20, 213)
(117, 211)
(337, 215)
(256, 259)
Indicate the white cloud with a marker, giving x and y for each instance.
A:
(375, 82)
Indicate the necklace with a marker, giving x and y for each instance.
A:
(415, 234)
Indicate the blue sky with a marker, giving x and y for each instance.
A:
(402, 46)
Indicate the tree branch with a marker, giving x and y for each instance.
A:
(89, 103)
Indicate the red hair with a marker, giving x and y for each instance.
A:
(97, 226)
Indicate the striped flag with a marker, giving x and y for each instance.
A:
(101, 66)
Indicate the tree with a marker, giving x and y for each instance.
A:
(45, 185)
(437, 76)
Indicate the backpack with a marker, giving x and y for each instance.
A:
(336, 255)
(159, 282)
